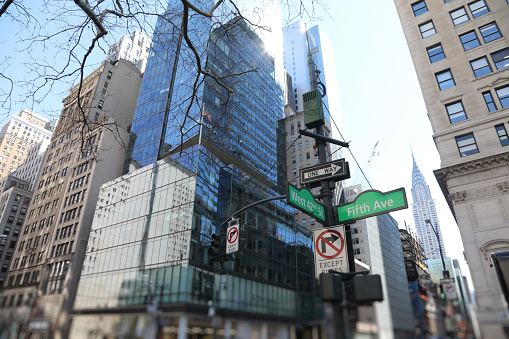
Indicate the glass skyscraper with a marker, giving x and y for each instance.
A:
(147, 253)
(423, 208)
(167, 87)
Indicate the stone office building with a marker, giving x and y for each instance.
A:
(81, 157)
(461, 55)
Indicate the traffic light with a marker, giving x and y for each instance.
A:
(215, 250)
(331, 287)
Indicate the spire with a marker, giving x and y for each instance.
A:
(418, 180)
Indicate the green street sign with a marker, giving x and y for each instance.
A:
(304, 201)
(371, 203)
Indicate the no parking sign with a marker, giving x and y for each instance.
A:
(330, 250)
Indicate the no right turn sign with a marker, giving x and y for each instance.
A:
(330, 250)
(232, 239)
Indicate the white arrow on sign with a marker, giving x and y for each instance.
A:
(330, 170)
(337, 170)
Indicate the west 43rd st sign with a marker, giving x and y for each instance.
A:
(337, 170)
(304, 201)
(371, 203)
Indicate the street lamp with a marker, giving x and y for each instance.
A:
(445, 272)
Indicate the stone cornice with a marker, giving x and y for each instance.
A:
(443, 175)
(474, 166)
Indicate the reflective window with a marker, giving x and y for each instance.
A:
(503, 96)
(501, 58)
(466, 144)
(489, 101)
(427, 29)
(502, 134)
(456, 112)
(490, 32)
(469, 40)
(478, 8)
(459, 16)
(445, 80)
(435, 53)
(419, 8)
(480, 67)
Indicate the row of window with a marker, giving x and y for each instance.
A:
(79, 182)
(458, 16)
(23, 210)
(468, 40)
(65, 232)
(456, 110)
(31, 228)
(71, 214)
(48, 193)
(301, 157)
(480, 67)
(468, 146)
(61, 249)
(82, 168)
(10, 220)
(74, 198)
(19, 282)
(299, 145)
(477, 8)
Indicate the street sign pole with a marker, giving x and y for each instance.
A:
(337, 328)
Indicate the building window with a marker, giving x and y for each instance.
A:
(480, 67)
(490, 32)
(294, 160)
(478, 8)
(427, 29)
(503, 96)
(435, 53)
(489, 101)
(456, 112)
(294, 171)
(502, 135)
(459, 16)
(445, 80)
(501, 58)
(469, 40)
(419, 8)
(466, 144)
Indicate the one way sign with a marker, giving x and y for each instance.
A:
(337, 170)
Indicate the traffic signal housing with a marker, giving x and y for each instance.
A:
(215, 250)
(313, 109)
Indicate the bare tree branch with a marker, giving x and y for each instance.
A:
(4, 7)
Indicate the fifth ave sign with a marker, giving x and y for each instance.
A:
(337, 170)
